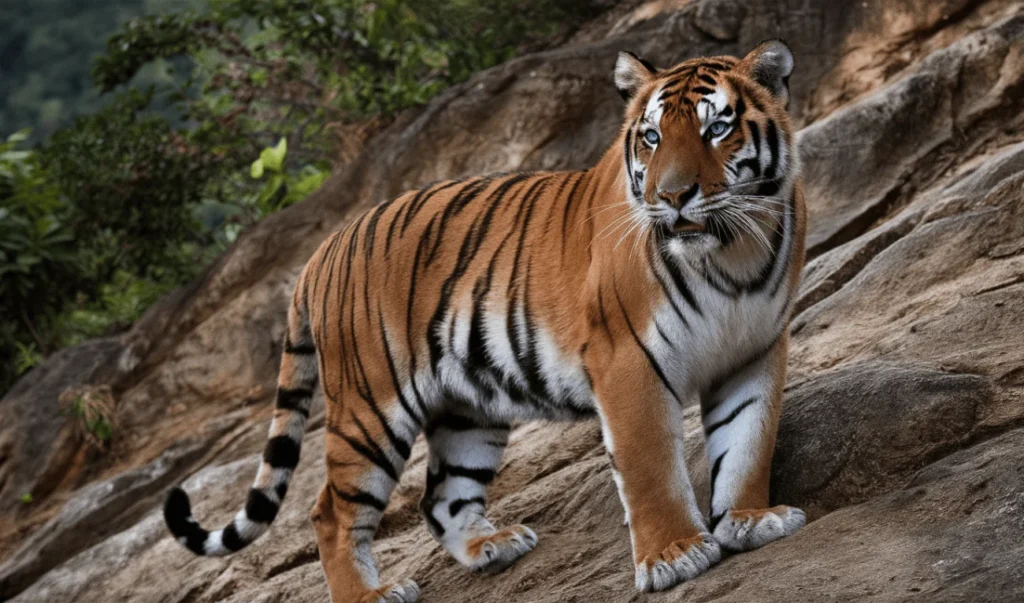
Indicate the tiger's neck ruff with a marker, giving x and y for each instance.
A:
(663, 276)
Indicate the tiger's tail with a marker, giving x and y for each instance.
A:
(296, 382)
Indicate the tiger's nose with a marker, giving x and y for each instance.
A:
(679, 198)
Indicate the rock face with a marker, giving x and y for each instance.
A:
(903, 430)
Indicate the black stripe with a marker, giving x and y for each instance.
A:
(178, 517)
(392, 225)
(714, 473)
(752, 163)
(528, 361)
(773, 148)
(281, 489)
(371, 450)
(410, 344)
(707, 79)
(529, 202)
(230, 538)
(484, 476)
(456, 505)
(663, 335)
(679, 280)
(259, 508)
(650, 357)
(703, 90)
(294, 400)
(752, 97)
(741, 107)
(715, 66)
(371, 228)
(565, 214)
(452, 423)
(428, 502)
(478, 357)
(455, 206)
(394, 371)
(363, 389)
(299, 350)
(710, 429)
(329, 257)
(281, 452)
(360, 497)
(421, 199)
(468, 250)
(755, 136)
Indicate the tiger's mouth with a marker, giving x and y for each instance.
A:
(686, 228)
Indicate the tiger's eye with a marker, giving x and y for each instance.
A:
(718, 128)
(652, 137)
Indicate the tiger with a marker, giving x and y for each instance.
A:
(661, 278)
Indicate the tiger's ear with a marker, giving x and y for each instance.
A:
(631, 73)
(770, 64)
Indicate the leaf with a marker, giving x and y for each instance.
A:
(26, 498)
(273, 157)
(20, 136)
(256, 171)
(102, 429)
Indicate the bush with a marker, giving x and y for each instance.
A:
(126, 203)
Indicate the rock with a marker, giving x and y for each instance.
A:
(902, 431)
(103, 508)
(720, 20)
(36, 451)
(844, 434)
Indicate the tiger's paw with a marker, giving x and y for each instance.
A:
(405, 591)
(750, 529)
(496, 552)
(683, 560)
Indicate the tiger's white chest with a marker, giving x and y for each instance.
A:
(706, 345)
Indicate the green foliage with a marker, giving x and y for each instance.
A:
(91, 410)
(46, 47)
(130, 179)
(93, 228)
(281, 188)
(127, 202)
(26, 498)
(273, 68)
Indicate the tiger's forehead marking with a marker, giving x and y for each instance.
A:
(711, 105)
(654, 109)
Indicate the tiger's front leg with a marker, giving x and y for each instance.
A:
(741, 417)
(641, 424)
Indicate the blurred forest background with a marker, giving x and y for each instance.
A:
(139, 138)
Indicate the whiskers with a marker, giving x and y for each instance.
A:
(747, 214)
(634, 222)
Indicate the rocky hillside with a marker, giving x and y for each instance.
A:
(903, 432)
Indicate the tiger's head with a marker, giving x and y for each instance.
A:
(708, 143)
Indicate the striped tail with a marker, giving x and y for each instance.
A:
(297, 380)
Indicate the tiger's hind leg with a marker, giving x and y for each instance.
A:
(366, 453)
(740, 421)
(464, 458)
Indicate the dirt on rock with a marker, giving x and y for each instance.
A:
(903, 428)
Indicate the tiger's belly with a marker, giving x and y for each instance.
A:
(513, 371)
